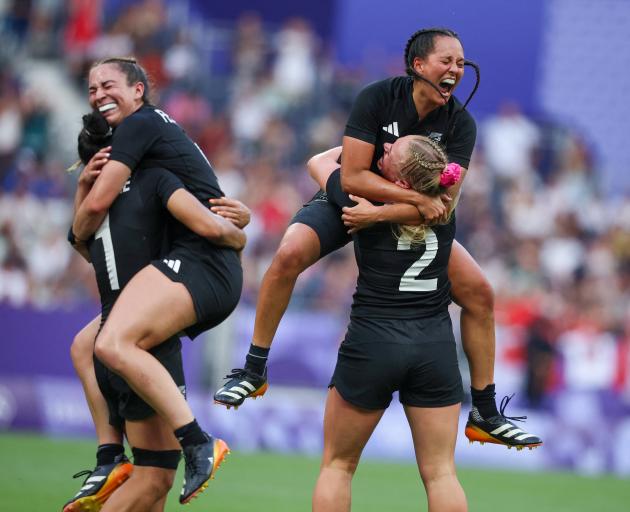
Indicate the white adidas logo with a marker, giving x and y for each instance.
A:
(89, 483)
(239, 391)
(392, 128)
(173, 264)
(512, 431)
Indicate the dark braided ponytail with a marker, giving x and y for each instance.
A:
(421, 44)
(96, 134)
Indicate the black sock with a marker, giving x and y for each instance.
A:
(256, 359)
(190, 434)
(484, 401)
(107, 453)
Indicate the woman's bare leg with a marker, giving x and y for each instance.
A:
(471, 290)
(346, 431)
(150, 309)
(434, 432)
(148, 486)
(82, 352)
(473, 293)
(299, 249)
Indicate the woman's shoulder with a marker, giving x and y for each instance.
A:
(464, 114)
(391, 87)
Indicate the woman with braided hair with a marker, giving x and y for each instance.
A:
(400, 336)
(193, 287)
(421, 103)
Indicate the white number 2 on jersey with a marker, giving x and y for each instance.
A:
(408, 282)
(105, 235)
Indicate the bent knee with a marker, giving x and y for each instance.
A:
(162, 481)
(291, 258)
(81, 349)
(155, 482)
(475, 295)
(109, 352)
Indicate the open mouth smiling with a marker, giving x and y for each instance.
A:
(105, 108)
(447, 85)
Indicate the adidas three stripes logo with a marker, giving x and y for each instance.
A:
(173, 264)
(392, 128)
(238, 391)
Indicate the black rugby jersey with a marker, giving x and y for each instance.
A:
(384, 111)
(150, 138)
(132, 233)
(397, 280)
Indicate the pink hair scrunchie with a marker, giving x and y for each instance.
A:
(450, 175)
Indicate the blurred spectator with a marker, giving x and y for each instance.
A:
(509, 141)
(250, 51)
(541, 356)
(295, 69)
(11, 121)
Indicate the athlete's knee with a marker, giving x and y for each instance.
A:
(82, 349)
(347, 464)
(431, 472)
(158, 468)
(153, 482)
(292, 259)
(109, 351)
(475, 295)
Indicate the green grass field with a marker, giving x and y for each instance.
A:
(36, 476)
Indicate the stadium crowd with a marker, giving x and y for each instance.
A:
(259, 100)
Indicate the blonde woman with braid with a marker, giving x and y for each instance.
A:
(400, 336)
(420, 103)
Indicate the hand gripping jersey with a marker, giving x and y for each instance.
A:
(132, 233)
(396, 279)
(130, 237)
(384, 111)
(149, 138)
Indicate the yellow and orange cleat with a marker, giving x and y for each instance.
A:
(99, 485)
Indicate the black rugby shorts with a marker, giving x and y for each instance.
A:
(123, 403)
(325, 219)
(213, 281)
(416, 357)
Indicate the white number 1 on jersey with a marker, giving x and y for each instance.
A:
(105, 235)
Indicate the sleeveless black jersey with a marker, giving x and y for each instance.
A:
(397, 280)
(132, 233)
(384, 111)
(149, 138)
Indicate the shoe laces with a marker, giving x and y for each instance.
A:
(191, 466)
(504, 402)
(191, 461)
(85, 472)
(239, 373)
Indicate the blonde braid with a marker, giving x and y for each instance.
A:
(422, 171)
